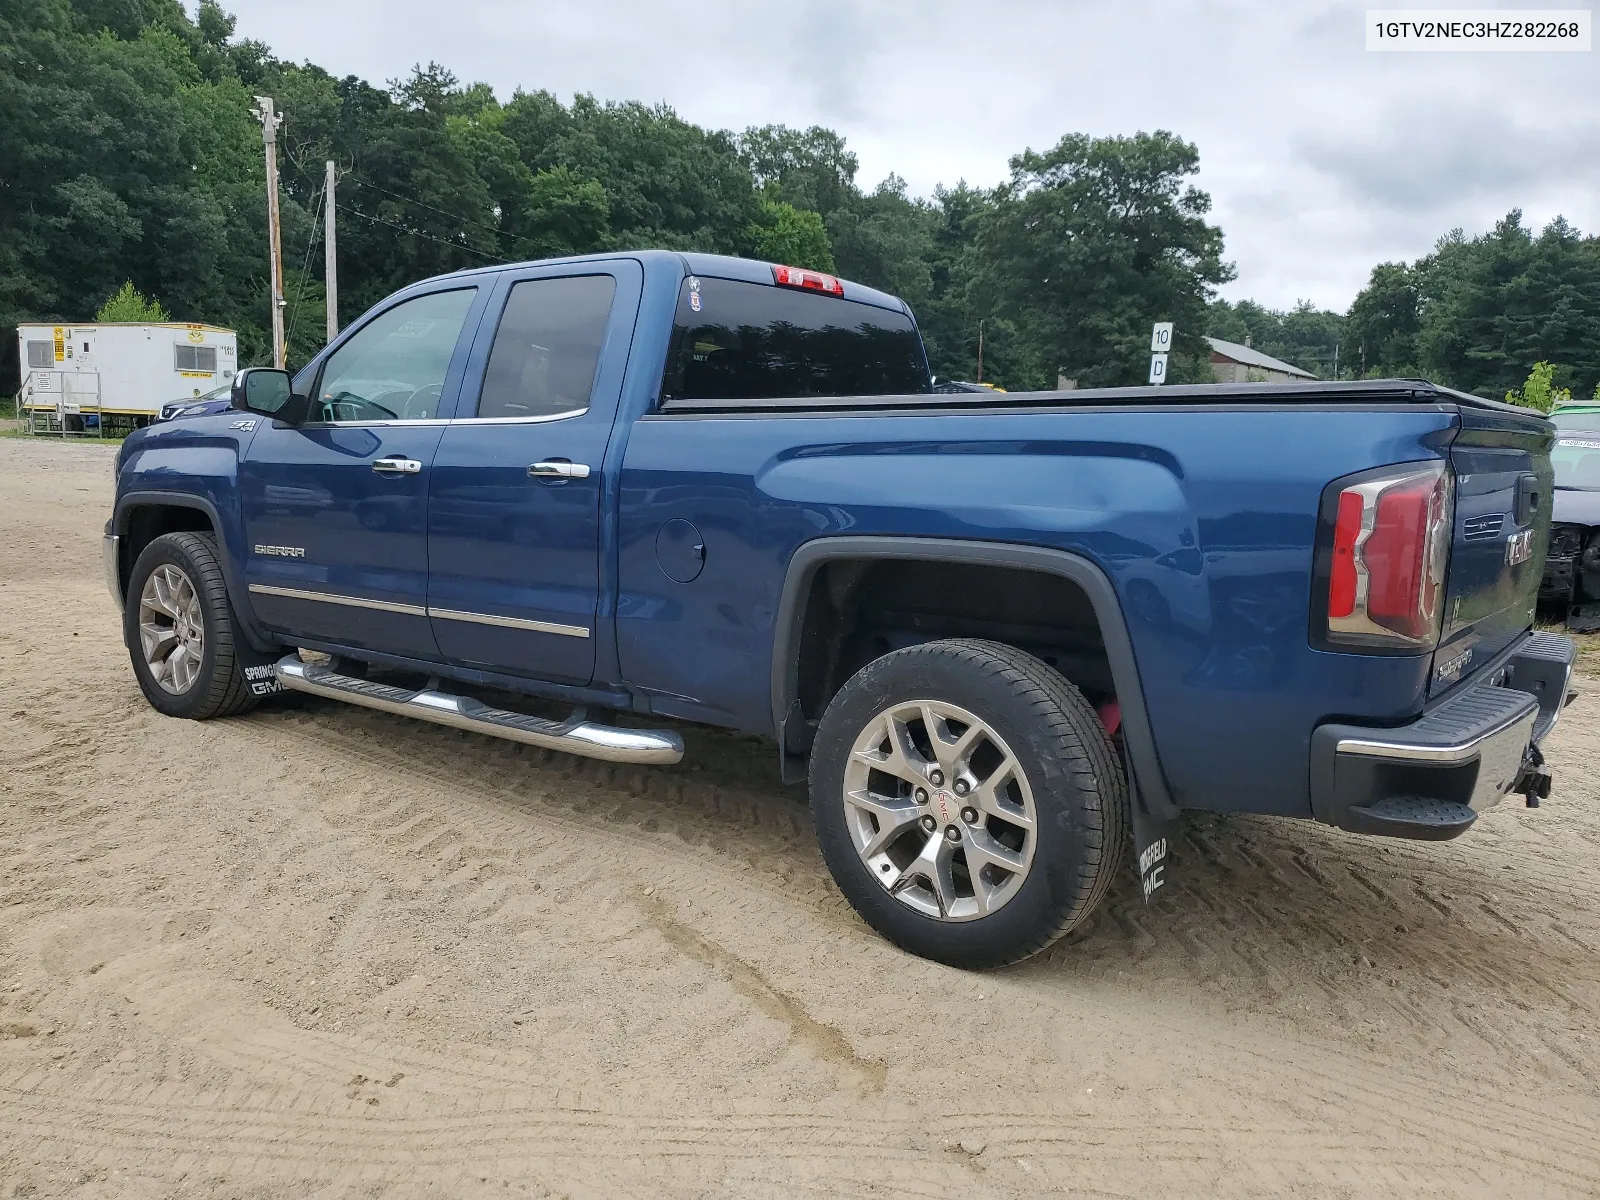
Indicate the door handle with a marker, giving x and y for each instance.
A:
(558, 469)
(396, 464)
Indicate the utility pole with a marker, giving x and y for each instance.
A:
(270, 120)
(979, 379)
(330, 256)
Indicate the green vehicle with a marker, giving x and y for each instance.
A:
(1583, 415)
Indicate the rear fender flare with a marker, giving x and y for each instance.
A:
(1144, 763)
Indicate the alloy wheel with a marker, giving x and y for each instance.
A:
(940, 810)
(172, 631)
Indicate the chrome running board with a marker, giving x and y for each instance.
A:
(574, 735)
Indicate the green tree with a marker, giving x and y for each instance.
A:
(796, 237)
(1383, 323)
(809, 169)
(1092, 241)
(1538, 391)
(1476, 311)
(949, 317)
(667, 182)
(885, 240)
(128, 304)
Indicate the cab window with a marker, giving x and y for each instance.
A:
(743, 341)
(547, 347)
(393, 368)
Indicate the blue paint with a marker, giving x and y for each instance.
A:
(1204, 519)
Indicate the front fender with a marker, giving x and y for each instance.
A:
(192, 464)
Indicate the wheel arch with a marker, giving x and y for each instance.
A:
(789, 719)
(143, 516)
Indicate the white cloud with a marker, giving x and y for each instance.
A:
(1321, 159)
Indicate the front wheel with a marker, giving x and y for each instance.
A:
(180, 630)
(967, 801)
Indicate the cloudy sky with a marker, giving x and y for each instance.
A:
(1321, 158)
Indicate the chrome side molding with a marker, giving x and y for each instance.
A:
(574, 735)
(419, 610)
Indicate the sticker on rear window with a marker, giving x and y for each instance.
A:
(1579, 443)
(694, 301)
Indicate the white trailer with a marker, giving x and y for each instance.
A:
(81, 375)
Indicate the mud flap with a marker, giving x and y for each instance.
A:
(1153, 829)
(257, 664)
(257, 668)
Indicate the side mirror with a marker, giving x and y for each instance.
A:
(266, 391)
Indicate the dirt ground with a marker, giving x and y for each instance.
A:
(320, 951)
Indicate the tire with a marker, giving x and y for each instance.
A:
(1035, 882)
(199, 687)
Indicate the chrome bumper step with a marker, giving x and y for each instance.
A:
(574, 736)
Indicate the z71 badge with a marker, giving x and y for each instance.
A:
(245, 426)
(1519, 547)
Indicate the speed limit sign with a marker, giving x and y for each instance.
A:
(1161, 337)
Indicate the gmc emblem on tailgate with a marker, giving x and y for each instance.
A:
(1519, 547)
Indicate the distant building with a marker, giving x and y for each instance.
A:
(1234, 363)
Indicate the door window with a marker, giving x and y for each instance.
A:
(547, 347)
(746, 341)
(393, 368)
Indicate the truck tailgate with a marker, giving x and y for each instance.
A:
(1502, 526)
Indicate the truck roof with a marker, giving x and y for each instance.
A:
(717, 266)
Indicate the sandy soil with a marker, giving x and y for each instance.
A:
(319, 951)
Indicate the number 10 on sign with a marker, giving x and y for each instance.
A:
(1160, 344)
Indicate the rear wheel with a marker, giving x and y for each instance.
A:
(180, 630)
(967, 801)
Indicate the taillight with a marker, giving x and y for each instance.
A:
(812, 281)
(1391, 545)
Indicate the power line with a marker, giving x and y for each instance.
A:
(356, 212)
(305, 265)
(494, 229)
(442, 212)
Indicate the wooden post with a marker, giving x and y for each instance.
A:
(270, 120)
(330, 256)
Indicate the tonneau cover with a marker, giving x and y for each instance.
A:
(1364, 391)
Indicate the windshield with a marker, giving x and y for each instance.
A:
(1576, 459)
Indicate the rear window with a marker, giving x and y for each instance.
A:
(753, 341)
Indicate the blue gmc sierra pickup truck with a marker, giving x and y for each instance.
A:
(1002, 635)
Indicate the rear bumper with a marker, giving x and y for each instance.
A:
(1431, 778)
